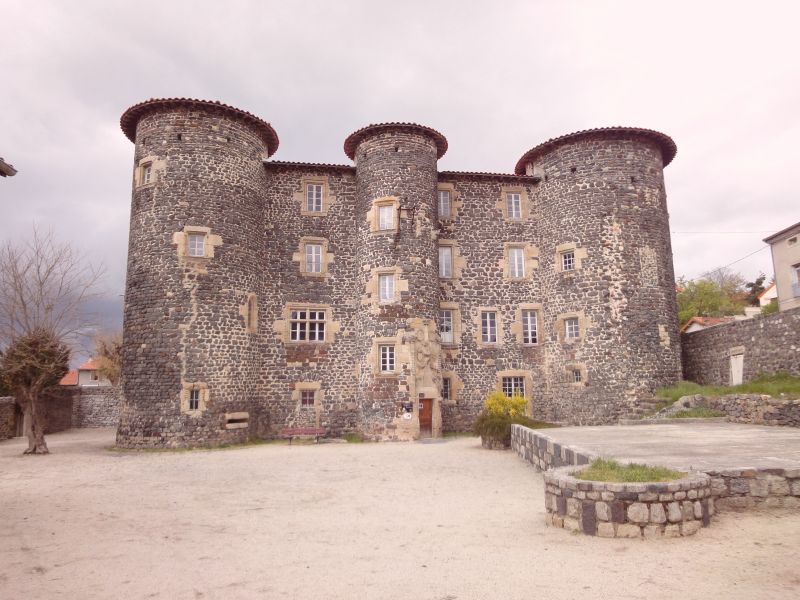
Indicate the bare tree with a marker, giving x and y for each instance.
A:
(44, 288)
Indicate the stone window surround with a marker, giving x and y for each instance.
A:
(282, 326)
(454, 307)
(186, 389)
(157, 168)
(402, 356)
(300, 256)
(455, 201)
(300, 387)
(457, 259)
(373, 215)
(249, 312)
(372, 292)
(456, 385)
(580, 367)
(580, 254)
(181, 240)
(477, 321)
(561, 328)
(516, 326)
(328, 200)
(527, 378)
(524, 200)
(531, 258)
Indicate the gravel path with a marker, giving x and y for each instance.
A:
(406, 520)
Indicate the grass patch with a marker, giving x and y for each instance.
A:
(353, 437)
(606, 469)
(699, 412)
(771, 385)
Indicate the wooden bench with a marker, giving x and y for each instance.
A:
(307, 432)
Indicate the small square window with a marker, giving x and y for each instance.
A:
(387, 358)
(568, 261)
(307, 398)
(577, 376)
(530, 327)
(386, 287)
(516, 263)
(314, 197)
(514, 205)
(488, 327)
(307, 325)
(791, 241)
(385, 217)
(147, 173)
(514, 386)
(313, 258)
(446, 388)
(197, 244)
(194, 399)
(572, 328)
(446, 262)
(446, 326)
(444, 204)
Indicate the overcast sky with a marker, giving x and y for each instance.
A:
(496, 78)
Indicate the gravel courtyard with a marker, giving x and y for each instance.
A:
(435, 521)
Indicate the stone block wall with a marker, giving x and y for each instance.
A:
(95, 407)
(8, 422)
(748, 488)
(632, 510)
(542, 452)
(769, 344)
(57, 404)
(755, 409)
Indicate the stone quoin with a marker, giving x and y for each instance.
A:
(386, 297)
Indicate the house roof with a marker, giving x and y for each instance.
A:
(71, 378)
(766, 289)
(6, 170)
(707, 321)
(355, 138)
(665, 143)
(782, 233)
(131, 117)
(89, 365)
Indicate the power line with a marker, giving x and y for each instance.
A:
(724, 232)
(730, 264)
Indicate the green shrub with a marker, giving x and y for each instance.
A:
(353, 437)
(771, 385)
(606, 469)
(770, 308)
(699, 412)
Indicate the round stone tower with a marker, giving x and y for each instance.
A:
(606, 274)
(398, 366)
(190, 336)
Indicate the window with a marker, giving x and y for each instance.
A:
(306, 398)
(488, 327)
(790, 242)
(530, 327)
(444, 204)
(446, 262)
(386, 287)
(514, 386)
(568, 261)
(516, 262)
(446, 326)
(385, 217)
(387, 358)
(197, 244)
(514, 205)
(147, 173)
(446, 388)
(313, 258)
(571, 328)
(313, 197)
(577, 377)
(194, 399)
(796, 280)
(307, 326)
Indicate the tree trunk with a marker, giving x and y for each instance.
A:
(34, 425)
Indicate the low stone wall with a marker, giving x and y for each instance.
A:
(8, 422)
(631, 510)
(95, 407)
(769, 343)
(748, 488)
(57, 405)
(542, 452)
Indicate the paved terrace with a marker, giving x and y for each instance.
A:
(699, 446)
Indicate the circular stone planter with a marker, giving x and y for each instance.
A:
(630, 510)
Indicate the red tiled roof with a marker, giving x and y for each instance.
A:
(71, 378)
(131, 116)
(707, 321)
(766, 289)
(352, 141)
(667, 145)
(304, 165)
(483, 174)
(89, 365)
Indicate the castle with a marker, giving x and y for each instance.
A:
(385, 296)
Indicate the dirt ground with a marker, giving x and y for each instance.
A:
(431, 521)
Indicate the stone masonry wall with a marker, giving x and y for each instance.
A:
(769, 344)
(8, 420)
(95, 406)
(756, 409)
(748, 488)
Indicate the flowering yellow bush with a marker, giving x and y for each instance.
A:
(497, 403)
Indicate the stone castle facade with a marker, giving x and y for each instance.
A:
(385, 296)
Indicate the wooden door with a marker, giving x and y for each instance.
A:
(737, 368)
(425, 417)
